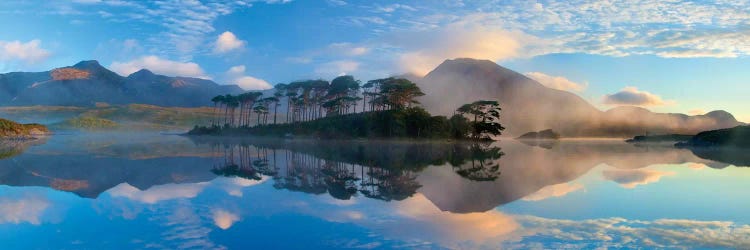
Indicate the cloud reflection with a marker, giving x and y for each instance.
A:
(630, 178)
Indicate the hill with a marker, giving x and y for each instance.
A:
(87, 83)
(738, 137)
(13, 130)
(530, 106)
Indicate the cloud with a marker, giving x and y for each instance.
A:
(224, 219)
(337, 68)
(557, 82)
(236, 75)
(425, 49)
(159, 66)
(27, 209)
(158, 193)
(635, 97)
(558, 190)
(227, 42)
(696, 112)
(348, 49)
(630, 178)
(29, 52)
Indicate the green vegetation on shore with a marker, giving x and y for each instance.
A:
(659, 138)
(13, 130)
(317, 108)
(738, 137)
(86, 123)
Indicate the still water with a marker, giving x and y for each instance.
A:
(150, 191)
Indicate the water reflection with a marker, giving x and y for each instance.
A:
(177, 192)
(381, 170)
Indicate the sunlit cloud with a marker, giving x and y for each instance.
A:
(557, 82)
(224, 219)
(635, 97)
(227, 42)
(28, 52)
(236, 75)
(630, 178)
(552, 191)
(337, 68)
(159, 66)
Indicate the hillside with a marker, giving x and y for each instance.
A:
(13, 130)
(738, 137)
(112, 117)
(87, 83)
(530, 106)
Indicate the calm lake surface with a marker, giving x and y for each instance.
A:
(151, 191)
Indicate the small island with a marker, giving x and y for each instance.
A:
(548, 134)
(659, 138)
(10, 130)
(347, 109)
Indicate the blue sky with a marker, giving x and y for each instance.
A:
(668, 56)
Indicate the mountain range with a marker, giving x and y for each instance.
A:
(527, 104)
(87, 83)
(530, 106)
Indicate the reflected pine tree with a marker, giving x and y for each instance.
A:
(375, 169)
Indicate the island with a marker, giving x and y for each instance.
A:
(548, 134)
(345, 109)
(10, 130)
(659, 138)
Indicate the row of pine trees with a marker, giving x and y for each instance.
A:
(313, 99)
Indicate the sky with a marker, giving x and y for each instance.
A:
(665, 55)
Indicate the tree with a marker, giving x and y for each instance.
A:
(219, 99)
(486, 115)
(397, 93)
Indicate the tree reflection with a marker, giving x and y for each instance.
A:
(377, 170)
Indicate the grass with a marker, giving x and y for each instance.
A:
(104, 116)
(11, 129)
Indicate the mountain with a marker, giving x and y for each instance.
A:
(87, 83)
(530, 106)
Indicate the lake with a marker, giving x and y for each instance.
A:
(151, 191)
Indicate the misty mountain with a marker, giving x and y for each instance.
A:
(87, 82)
(530, 106)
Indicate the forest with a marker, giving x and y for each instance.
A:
(346, 108)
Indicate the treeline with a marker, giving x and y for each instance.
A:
(346, 108)
(313, 99)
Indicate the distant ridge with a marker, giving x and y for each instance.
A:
(530, 106)
(87, 83)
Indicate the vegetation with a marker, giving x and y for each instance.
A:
(659, 138)
(13, 130)
(374, 169)
(541, 135)
(323, 109)
(738, 137)
(87, 123)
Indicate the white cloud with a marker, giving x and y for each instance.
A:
(348, 49)
(227, 42)
(26, 209)
(252, 83)
(337, 68)
(159, 193)
(633, 96)
(557, 82)
(159, 66)
(236, 75)
(29, 52)
(239, 69)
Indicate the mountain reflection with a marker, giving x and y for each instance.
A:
(380, 170)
